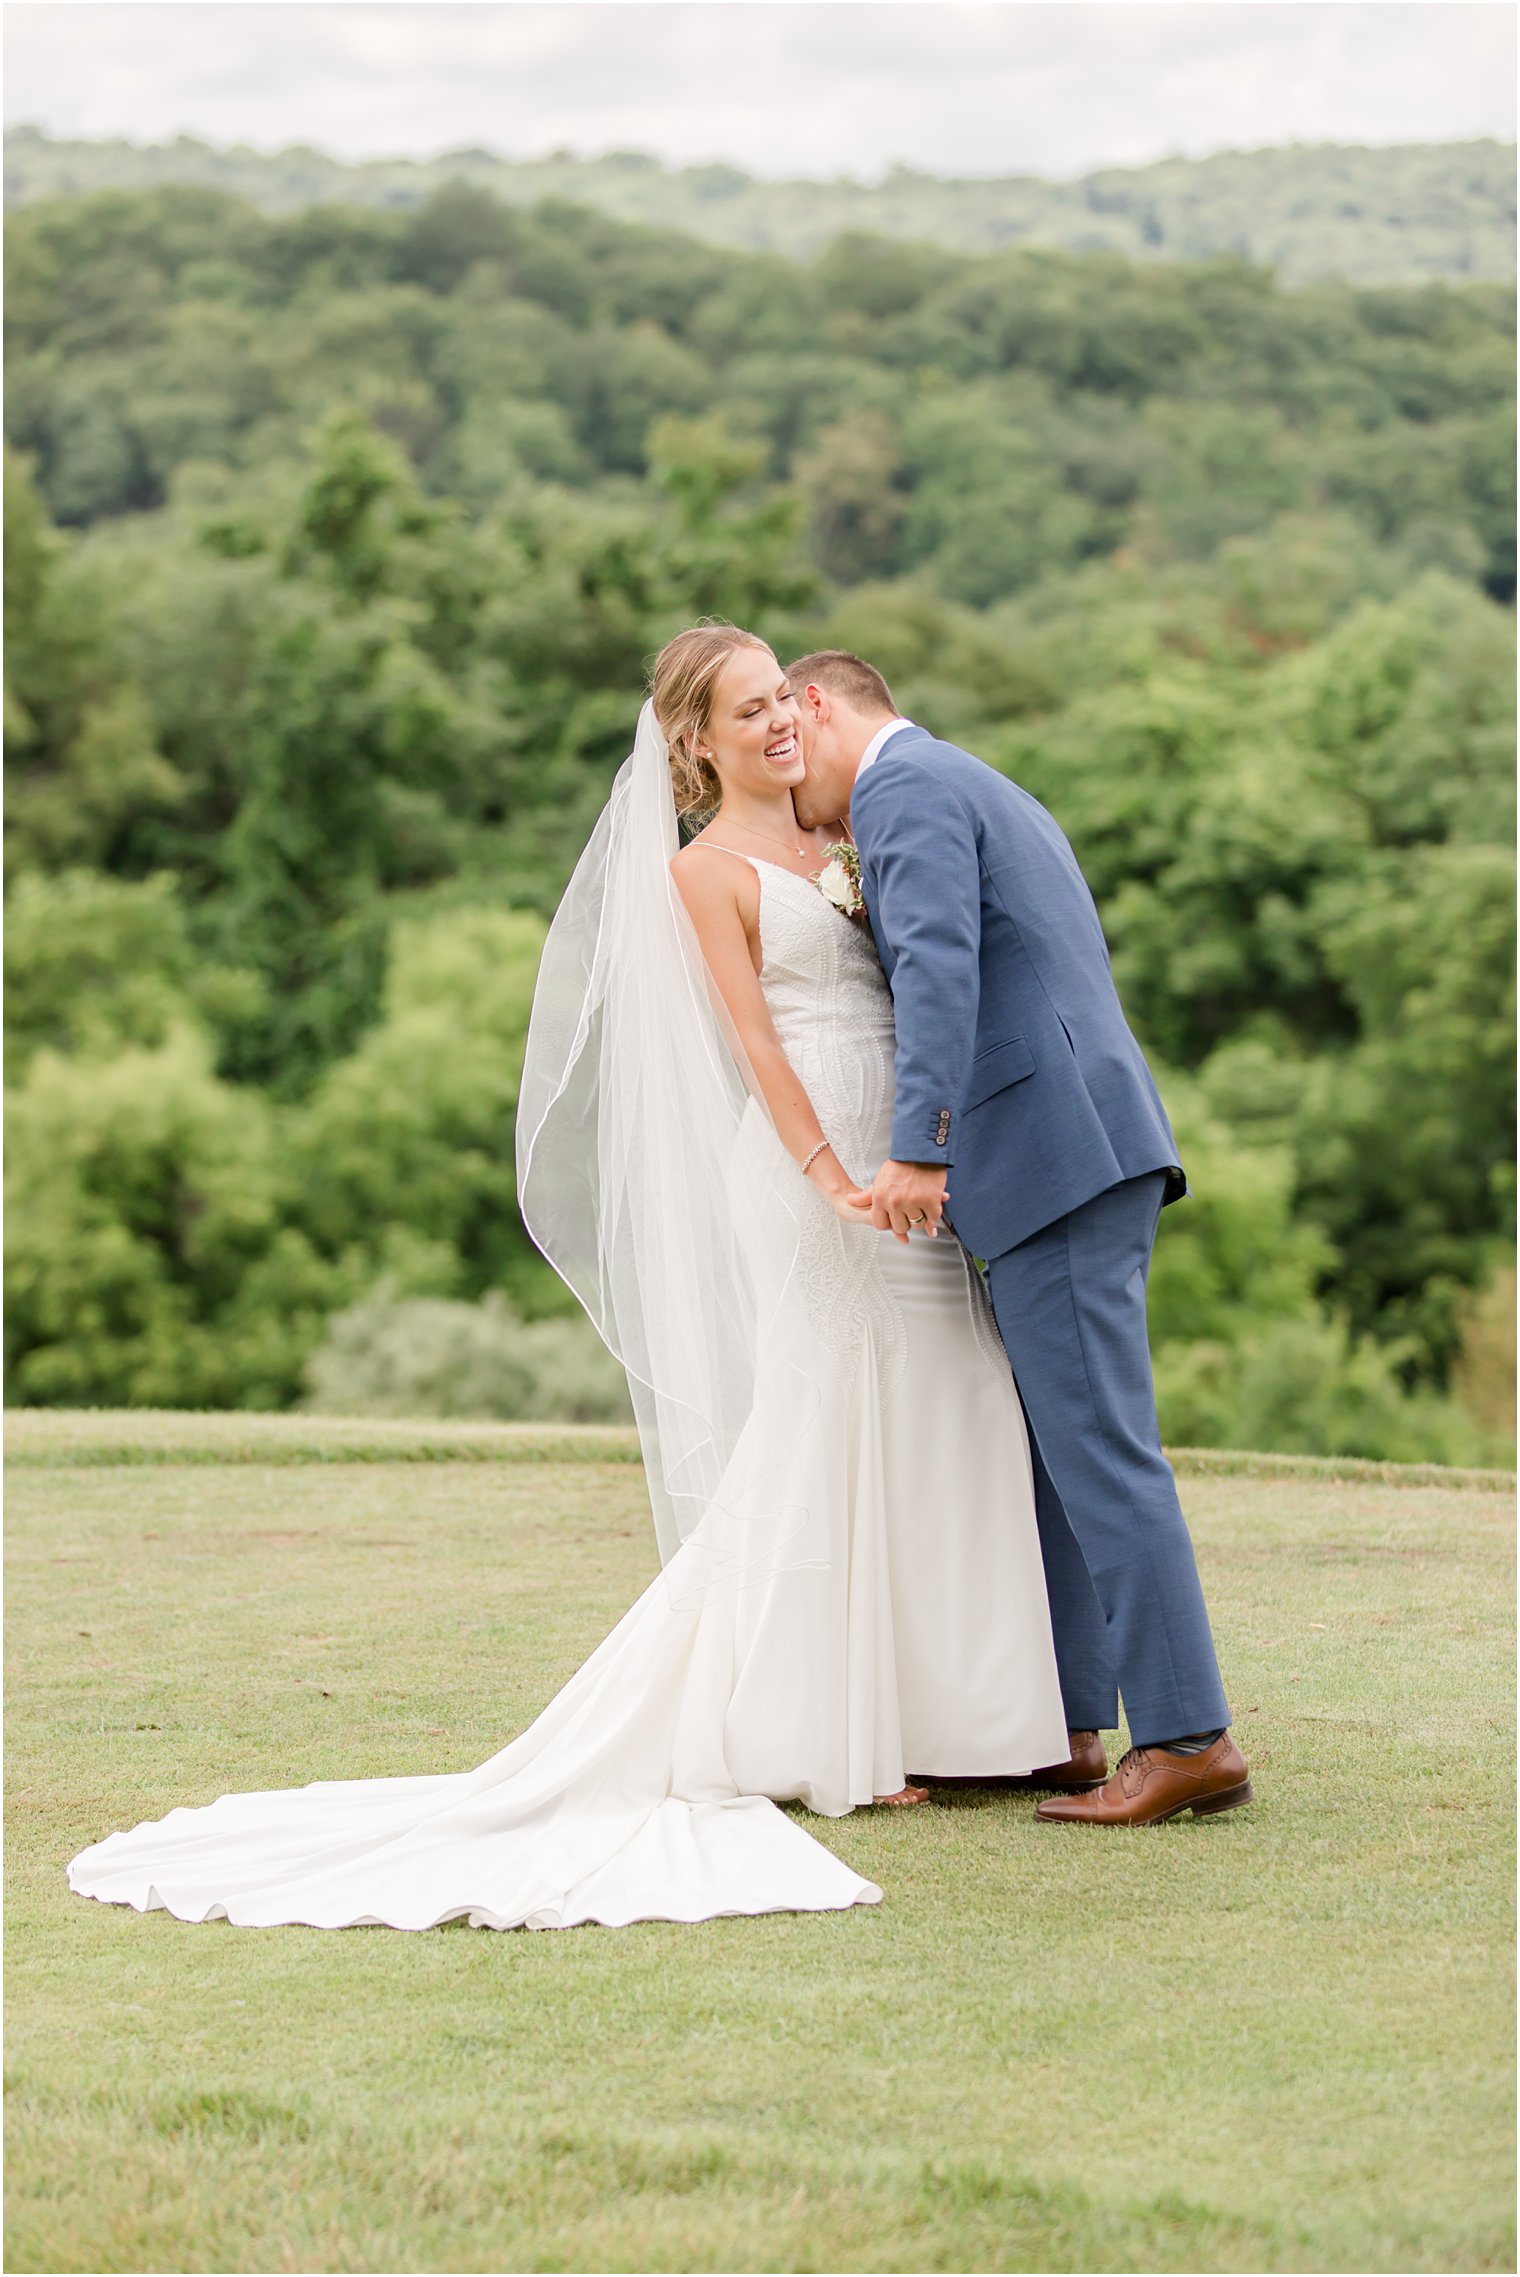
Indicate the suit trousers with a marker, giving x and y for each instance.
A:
(1126, 1603)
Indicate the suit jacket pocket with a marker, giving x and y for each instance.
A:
(995, 1068)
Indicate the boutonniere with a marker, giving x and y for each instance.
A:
(839, 880)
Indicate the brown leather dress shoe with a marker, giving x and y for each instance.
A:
(1084, 1769)
(1150, 1784)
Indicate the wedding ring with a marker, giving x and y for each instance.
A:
(921, 1219)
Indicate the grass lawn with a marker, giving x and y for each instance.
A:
(1279, 2039)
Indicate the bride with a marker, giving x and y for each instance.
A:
(851, 1587)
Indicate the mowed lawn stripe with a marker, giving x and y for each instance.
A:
(1274, 2040)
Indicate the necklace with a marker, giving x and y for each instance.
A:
(769, 838)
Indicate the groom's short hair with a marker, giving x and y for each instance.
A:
(839, 673)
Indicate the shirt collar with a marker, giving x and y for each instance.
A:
(872, 751)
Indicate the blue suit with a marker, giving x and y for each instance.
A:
(1017, 1071)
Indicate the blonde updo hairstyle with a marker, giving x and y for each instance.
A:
(681, 689)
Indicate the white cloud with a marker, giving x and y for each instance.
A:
(813, 87)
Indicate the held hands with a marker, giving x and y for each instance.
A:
(849, 1202)
(908, 1194)
(905, 1194)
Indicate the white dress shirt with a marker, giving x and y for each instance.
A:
(872, 751)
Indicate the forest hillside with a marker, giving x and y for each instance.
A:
(1396, 215)
(338, 540)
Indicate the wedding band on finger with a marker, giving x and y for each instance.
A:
(921, 1219)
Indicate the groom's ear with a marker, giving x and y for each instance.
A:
(813, 700)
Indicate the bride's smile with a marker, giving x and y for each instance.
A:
(750, 735)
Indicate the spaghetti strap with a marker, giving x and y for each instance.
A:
(711, 846)
(757, 862)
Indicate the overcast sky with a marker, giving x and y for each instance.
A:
(804, 87)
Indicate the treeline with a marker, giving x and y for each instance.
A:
(1399, 215)
(376, 521)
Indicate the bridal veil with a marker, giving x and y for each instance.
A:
(653, 1181)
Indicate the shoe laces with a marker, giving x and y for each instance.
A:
(1133, 1768)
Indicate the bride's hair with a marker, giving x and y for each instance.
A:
(681, 690)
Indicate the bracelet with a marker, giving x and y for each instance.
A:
(813, 1157)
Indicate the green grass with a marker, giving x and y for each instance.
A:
(51, 1436)
(1275, 2040)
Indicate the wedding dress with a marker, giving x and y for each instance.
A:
(895, 1623)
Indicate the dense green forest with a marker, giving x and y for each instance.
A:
(1399, 215)
(337, 545)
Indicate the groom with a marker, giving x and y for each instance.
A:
(1024, 1102)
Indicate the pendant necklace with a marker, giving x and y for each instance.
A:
(768, 837)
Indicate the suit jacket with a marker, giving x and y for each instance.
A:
(1014, 1060)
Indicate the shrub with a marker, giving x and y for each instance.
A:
(1302, 1387)
(430, 1356)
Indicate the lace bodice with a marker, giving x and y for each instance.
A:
(832, 1011)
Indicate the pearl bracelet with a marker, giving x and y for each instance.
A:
(813, 1157)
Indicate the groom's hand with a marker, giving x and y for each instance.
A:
(907, 1193)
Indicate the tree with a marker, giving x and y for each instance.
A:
(412, 1132)
(147, 1262)
(94, 962)
(83, 769)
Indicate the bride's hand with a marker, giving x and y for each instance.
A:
(850, 1204)
(824, 1170)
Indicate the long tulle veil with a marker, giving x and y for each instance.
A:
(651, 1178)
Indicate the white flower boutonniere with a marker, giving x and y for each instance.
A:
(839, 880)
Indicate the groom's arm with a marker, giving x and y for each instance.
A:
(919, 849)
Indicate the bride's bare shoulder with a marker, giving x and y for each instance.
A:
(713, 876)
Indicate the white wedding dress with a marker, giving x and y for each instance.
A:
(919, 1642)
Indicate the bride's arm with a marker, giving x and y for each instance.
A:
(723, 901)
